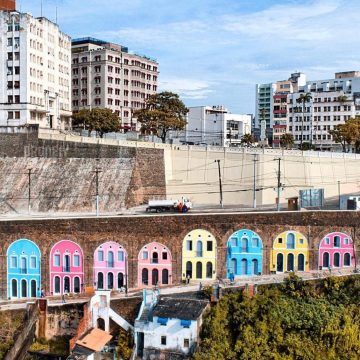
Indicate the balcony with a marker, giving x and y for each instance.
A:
(66, 268)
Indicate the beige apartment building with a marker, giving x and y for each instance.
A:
(106, 75)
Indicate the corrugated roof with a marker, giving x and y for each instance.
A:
(95, 340)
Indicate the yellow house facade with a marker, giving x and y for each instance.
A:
(290, 252)
(199, 256)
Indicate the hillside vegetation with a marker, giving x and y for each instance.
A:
(297, 320)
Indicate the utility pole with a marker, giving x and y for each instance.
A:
(339, 192)
(97, 171)
(29, 191)
(278, 183)
(254, 183)
(220, 184)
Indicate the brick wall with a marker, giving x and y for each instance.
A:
(136, 231)
(7, 4)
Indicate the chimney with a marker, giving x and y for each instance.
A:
(8, 5)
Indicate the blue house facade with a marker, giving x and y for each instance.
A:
(244, 254)
(23, 269)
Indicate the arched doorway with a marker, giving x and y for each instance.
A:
(290, 262)
(336, 260)
(67, 263)
(209, 270)
(326, 260)
(76, 285)
(100, 323)
(145, 276)
(189, 269)
(155, 276)
(57, 285)
(255, 267)
(120, 280)
(23, 288)
(233, 266)
(110, 280)
(301, 262)
(66, 284)
(199, 270)
(33, 288)
(23, 266)
(100, 280)
(280, 262)
(347, 259)
(14, 288)
(243, 267)
(165, 277)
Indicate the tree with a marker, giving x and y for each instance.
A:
(125, 344)
(347, 134)
(287, 140)
(303, 99)
(99, 120)
(247, 139)
(163, 112)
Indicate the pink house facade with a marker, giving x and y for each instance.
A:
(66, 268)
(336, 250)
(154, 265)
(110, 266)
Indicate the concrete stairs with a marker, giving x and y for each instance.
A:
(120, 320)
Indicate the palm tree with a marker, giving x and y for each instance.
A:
(247, 139)
(302, 99)
(286, 140)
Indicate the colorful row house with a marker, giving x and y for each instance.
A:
(154, 265)
(290, 252)
(244, 254)
(23, 269)
(110, 266)
(336, 250)
(199, 256)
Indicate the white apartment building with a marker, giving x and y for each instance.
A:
(332, 102)
(106, 75)
(215, 125)
(35, 62)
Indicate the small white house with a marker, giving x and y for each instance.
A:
(171, 327)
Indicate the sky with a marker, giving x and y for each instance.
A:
(214, 52)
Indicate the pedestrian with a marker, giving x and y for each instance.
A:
(63, 298)
(188, 278)
(200, 286)
(42, 294)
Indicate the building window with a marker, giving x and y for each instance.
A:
(13, 262)
(255, 242)
(77, 260)
(346, 241)
(120, 256)
(163, 340)
(186, 343)
(209, 246)
(100, 255)
(336, 241)
(327, 241)
(56, 260)
(164, 256)
(33, 262)
(145, 255)
(189, 245)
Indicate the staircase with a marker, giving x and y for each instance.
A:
(120, 320)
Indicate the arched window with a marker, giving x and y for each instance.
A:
(23, 288)
(76, 285)
(23, 265)
(326, 260)
(110, 262)
(199, 270)
(255, 267)
(165, 277)
(336, 259)
(290, 241)
(110, 280)
(120, 280)
(14, 289)
(244, 265)
(280, 262)
(155, 258)
(209, 270)
(301, 262)
(255, 242)
(57, 285)
(337, 241)
(199, 248)
(100, 280)
(347, 259)
(244, 244)
(66, 263)
(233, 266)
(33, 288)
(290, 262)
(189, 269)
(145, 276)
(155, 276)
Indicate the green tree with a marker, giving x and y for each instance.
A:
(347, 134)
(303, 99)
(125, 344)
(287, 140)
(163, 112)
(100, 120)
(247, 139)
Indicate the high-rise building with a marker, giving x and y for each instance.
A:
(106, 75)
(9, 5)
(35, 61)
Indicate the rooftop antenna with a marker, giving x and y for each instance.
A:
(41, 8)
(56, 15)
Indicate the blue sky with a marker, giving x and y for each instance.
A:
(213, 52)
